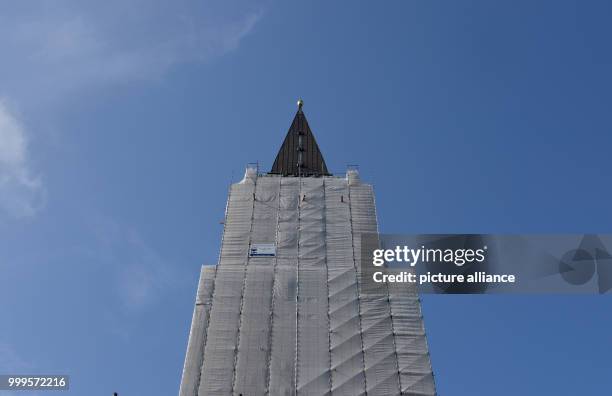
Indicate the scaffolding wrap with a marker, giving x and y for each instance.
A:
(222, 338)
(197, 335)
(312, 361)
(347, 356)
(292, 321)
(281, 367)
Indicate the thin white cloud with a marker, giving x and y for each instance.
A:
(21, 193)
(144, 277)
(141, 275)
(12, 362)
(52, 51)
(54, 47)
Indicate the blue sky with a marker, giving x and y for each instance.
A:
(122, 125)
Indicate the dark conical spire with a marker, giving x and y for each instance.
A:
(299, 155)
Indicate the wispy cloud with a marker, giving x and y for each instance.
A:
(52, 51)
(12, 362)
(54, 47)
(21, 193)
(140, 275)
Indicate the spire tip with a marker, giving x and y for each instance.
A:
(300, 103)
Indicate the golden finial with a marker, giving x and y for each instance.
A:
(300, 103)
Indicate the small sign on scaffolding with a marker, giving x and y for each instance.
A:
(262, 250)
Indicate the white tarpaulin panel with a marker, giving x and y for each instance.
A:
(253, 349)
(313, 355)
(347, 359)
(382, 372)
(415, 368)
(281, 365)
(197, 335)
(222, 337)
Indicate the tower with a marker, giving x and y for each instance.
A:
(282, 313)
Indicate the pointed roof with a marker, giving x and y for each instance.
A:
(299, 155)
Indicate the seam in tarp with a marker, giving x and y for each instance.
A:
(297, 292)
(191, 372)
(433, 376)
(399, 373)
(350, 203)
(206, 330)
(212, 295)
(244, 282)
(272, 297)
(324, 217)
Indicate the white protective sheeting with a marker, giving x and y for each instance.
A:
(253, 338)
(222, 337)
(295, 323)
(197, 334)
(281, 364)
(382, 371)
(347, 359)
(416, 376)
(313, 354)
